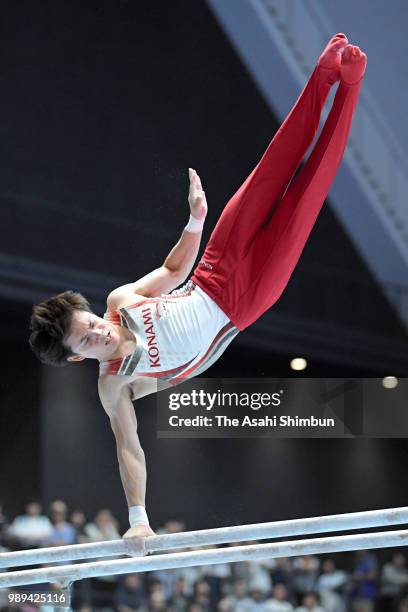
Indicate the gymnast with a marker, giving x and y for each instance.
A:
(151, 331)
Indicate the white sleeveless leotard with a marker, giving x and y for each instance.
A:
(178, 335)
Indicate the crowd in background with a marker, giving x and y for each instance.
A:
(359, 583)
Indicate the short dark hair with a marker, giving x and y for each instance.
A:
(50, 322)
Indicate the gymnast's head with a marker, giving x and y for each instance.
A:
(64, 328)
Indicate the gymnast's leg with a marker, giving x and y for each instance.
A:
(274, 253)
(251, 207)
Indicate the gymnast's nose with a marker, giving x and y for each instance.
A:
(97, 333)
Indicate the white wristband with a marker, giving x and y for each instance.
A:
(138, 516)
(194, 225)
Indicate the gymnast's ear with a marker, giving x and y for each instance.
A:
(75, 358)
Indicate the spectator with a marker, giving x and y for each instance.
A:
(190, 576)
(32, 528)
(253, 603)
(157, 598)
(282, 573)
(173, 526)
(203, 595)
(394, 580)
(364, 580)
(104, 527)
(306, 571)
(217, 575)
(78, 521)
(129, 595)
(168, 578)
(259, 577)
(179, 601)
(63, 533)
(224, 606)
(279, 602)
(310, 603)
(403, 605)
(331, 586)
(239, 592)
(239, 570)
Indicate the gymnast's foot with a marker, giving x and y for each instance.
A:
(353, 64)
(330, 60)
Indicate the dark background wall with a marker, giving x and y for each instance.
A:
(214, 482)
(20, 425)
(104, 106)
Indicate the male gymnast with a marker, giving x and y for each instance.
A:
(151, 332)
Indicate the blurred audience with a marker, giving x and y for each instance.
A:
(130, 593)
(279, 602)
(306, 572)
(63, 533)
(104, 527)
(393, 581)
(300, 584)
(310, 603)
(30, 529)
(78, 521)
(364, 582)
(331, 586)
(237, 594)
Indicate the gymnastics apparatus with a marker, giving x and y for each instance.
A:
(65, 575)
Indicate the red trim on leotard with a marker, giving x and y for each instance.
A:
(166, 372)
(113, 316)
(111, 367)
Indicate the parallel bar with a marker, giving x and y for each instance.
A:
(73, 552)
(294, 548)
(223, 535)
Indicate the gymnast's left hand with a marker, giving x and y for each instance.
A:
(196, 196)
(134, 539)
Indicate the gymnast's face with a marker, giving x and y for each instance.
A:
(91, 337)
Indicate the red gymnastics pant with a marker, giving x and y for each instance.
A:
(263, 229)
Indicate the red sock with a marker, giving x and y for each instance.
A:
(353, 64)
(330, 59)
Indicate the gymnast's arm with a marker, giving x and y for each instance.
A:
(179, 262)
(117, 402)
